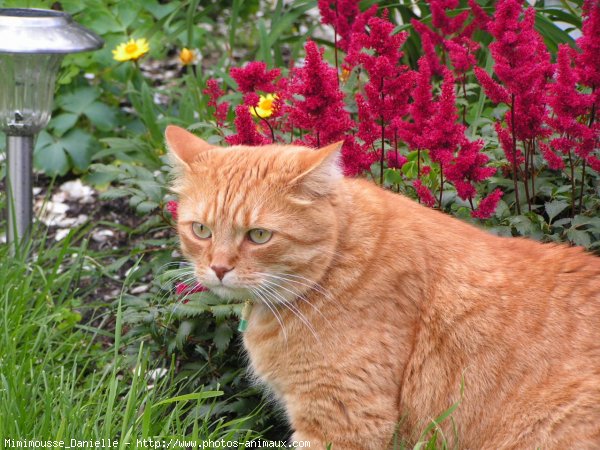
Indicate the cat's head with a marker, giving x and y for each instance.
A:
(256, 222)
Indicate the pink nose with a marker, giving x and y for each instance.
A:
(220, 271)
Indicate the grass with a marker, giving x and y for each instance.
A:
(62, 380)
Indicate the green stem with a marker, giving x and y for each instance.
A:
(514, 152)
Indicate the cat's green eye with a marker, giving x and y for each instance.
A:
(201, 230)
(259, 236)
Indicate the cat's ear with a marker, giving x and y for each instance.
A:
(183, 145)
(320, 170)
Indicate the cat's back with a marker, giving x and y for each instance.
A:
(514, 321)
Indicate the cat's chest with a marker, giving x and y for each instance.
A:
(280, 350)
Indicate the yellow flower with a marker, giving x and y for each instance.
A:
(132, 50)
(344, 75)
(188, 56)
(265, 106)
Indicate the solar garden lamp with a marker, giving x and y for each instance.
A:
(33, 43)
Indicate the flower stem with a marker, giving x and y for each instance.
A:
(514, 152)
(335, 44)
(441, 187)
(572, 184)
(531, 153)
(382, 136)
(526, 171)
(267, 122)
(464, 108)
(590, 123)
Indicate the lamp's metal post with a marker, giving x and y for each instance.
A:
(19, 153)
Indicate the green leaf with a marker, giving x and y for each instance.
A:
(410, 169)
(222, 337)
(579, 237)
(50, 157)
(159, 10)
(79, 100)
(188, 397)
(223, 311)
(183, 332)
(554, 208)
(522, 224)
(581, 220)
(127, 12)
(114, 193)
(190, 309)
(146, 207)
(78, 145)
(392, 176)
(101, 115)
(62, 123)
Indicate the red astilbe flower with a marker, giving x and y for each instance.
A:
(172, 206)
(554, 161)
(345, 17)
(522, 64)
(247, 133)
(435, 128)
(588, 71)
(570, 108)
(588, 61)
(462, 53)
(254, 76)
(395, 160)
(495, 92)
(214, 93)
(251, 78)
(481, 20)
(442, 21)
(437, 68)
(356, 157)
(424, 193)
(451, 33)
(386, 93)
(186, 289)
(468, 168)
(316, 102)
(512, 153)
(566, 101)
(488, 205)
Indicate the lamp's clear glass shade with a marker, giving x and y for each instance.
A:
(26, 91)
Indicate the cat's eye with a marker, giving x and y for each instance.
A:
(259, 235)
(201, 230)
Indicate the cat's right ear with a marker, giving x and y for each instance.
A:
(184, 146)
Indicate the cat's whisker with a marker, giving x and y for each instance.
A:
(298, 295)
(287, 304)
(179, 275)
(257, 291)
(309, 283)
(180, 264)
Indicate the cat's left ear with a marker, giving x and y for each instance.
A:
(321, 170)
(183, 145)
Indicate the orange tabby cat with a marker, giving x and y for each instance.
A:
(371, 310)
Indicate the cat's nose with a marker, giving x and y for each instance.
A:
(220, 271)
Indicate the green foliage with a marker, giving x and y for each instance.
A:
(61, 378)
